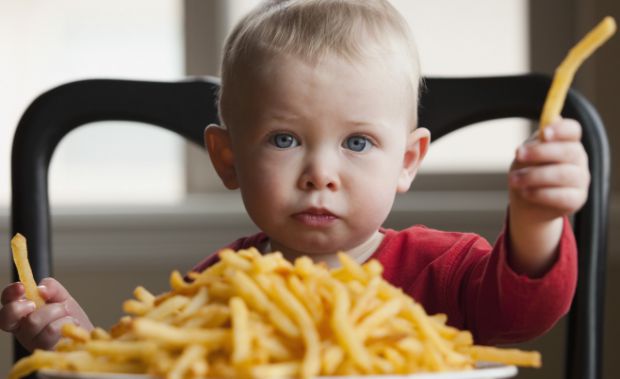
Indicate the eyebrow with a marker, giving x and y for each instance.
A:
(288, 117)
(362, 124)
(282, 116)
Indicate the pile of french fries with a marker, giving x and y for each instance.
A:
(261, 316)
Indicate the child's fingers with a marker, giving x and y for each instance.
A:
(12, 292)
(52, 291)
(12, 313)
(562, 200)
(50, 335)
(74, 310)
(562, 130)
(552, 152)
(38, 320)
(557, 175)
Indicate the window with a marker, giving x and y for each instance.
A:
(44, 44)
(472, 38)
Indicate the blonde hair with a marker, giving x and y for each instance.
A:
(312, 29)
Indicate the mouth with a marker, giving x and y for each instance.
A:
(316, 217)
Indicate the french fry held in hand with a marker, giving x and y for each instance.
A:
(260, 316)
(565, 72)
(24, 271)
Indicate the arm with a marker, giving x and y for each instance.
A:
(461, 275)
(40, 328)
(503, 306)
(548, 180)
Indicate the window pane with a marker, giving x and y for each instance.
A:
(117, 163)
(483, 147)
(45, 44)
(472, 38)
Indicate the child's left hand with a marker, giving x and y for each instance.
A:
(548, 179)
(549, 176)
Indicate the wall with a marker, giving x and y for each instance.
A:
(555, 26)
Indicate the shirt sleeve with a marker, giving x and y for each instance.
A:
(501, 306)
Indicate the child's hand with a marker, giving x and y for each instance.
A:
(548, 179)
(40, 328)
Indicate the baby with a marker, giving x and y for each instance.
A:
(319, 132)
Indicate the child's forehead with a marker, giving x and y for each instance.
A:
(388, 64)
(332, 77)
(364, 89)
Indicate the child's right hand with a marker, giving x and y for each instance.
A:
(40, 328)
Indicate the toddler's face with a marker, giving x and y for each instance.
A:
(321, 150)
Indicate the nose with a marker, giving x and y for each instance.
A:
(319, 172)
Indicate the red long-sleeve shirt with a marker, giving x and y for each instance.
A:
(463, 276)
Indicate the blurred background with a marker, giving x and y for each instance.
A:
(130, 203)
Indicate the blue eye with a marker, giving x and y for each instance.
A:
(357, 143)
(284, 141)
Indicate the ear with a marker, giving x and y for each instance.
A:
(417, 145)
(217, 142)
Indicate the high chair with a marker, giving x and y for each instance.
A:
(447, 104)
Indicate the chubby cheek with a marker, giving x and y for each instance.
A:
(264, 185)
(372, 203)
(260, 210)
(370, 190)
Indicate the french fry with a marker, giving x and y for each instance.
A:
(177, 282)
(565, 72)
(310, 364)
(100, 334)
(389, 309)
(190, 355)
(143, 295)
(362, 305)
(267, 341)
(20, 258)
(344, 331)
(209, 316)
(275, 370)
(251, 293)
(240, 330)
(168, 308)
(40, 359)
(309, 298)
(331, 357)
(195, 304)
(172, 336)
(515, 356)
(74, 332)
(125, 350)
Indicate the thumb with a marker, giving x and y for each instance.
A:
(52, 291)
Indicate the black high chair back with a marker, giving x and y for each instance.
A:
(447, 104)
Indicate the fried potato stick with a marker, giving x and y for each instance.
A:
(20, 257)
(565, 72)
